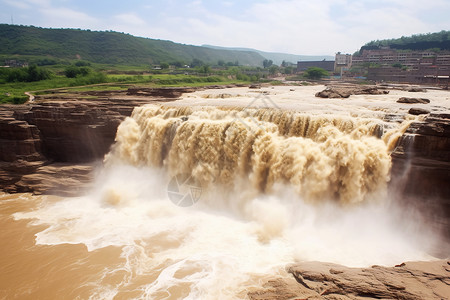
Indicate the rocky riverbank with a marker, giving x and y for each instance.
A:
(317, 280)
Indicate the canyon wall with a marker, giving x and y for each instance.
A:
(421, 169)
(52, 144)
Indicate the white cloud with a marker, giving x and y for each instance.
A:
(291, 26)
(17, 4)
(227, 3)
(41, 3)
(65, 17)
(130, 19)
(196, 3)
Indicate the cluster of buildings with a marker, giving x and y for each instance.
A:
(14, 64)
(389, 65)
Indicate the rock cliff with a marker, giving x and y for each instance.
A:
(421, 169)
(50, 145)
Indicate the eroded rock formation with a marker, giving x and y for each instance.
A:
(50, 145)
(316, 280)
(421, 169)
(345, 92)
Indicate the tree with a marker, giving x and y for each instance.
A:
(273, 70)
(33, 73)
(267, 63)
(71, 72)
(82, 63)
(205, 69)
(164, 65)
(74, 71)
(288, 70)
(177, 64)
(315, 73)
(196, 63)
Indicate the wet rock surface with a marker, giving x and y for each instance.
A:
(418, 111)
(345, 92)
(160, 92)
(421, 169)
(316, 280)
(63, 179)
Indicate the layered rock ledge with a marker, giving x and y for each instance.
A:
(52, 144)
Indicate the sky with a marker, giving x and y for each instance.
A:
(304, 27)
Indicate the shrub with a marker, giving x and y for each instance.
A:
(93, 78)
(315, 73)
(32, 73)
(13, 99)
(82, 63)
(74, 71)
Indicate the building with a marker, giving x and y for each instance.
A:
(403, 65)
(327, 65)
(342, 62)
(12, 63)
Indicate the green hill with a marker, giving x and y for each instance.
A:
(437, 40)
(109, 47)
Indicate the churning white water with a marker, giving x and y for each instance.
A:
(267, 190)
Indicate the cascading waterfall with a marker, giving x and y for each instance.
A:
(321, 157)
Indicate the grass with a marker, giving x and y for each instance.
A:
(9, 91)
(14, 92)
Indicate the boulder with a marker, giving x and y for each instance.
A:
(345, 92)
(418, 111)
(416, 90)
(413, 100)
(333, 93)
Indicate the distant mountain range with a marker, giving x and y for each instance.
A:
(108, 47)
(276, 57)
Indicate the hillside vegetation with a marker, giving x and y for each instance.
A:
(438, 40)
(110, 47)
